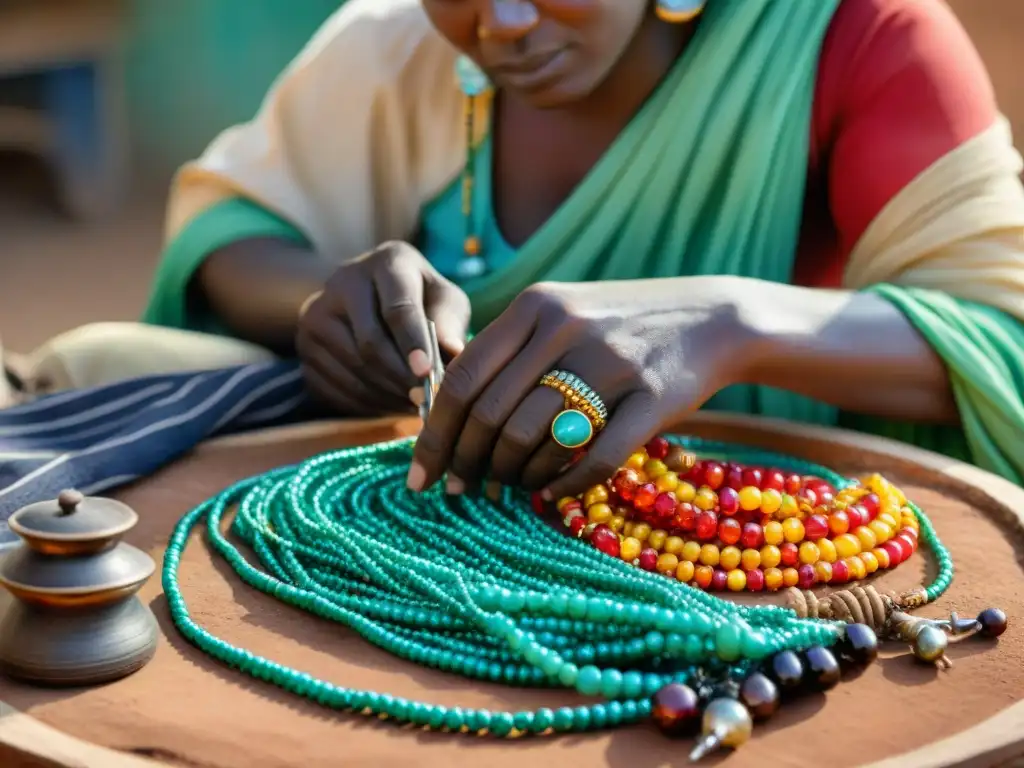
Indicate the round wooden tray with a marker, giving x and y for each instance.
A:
(186, 710)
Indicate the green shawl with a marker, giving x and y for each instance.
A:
(707, 179)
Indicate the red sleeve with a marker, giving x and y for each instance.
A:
(900, 84)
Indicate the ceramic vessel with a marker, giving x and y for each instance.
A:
(73, 616)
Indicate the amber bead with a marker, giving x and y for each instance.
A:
(771, 501)
(821, 668)
(644, 496)
(770, 556)
(729, 558)
(706, 499)
(993, 622)
(729, 530)
(839, 523)
(676, 710)
(859, 646)
(827, 550)
(790, 577)
(760, 696)
(773, 533)
(750, 498)
(787, 670)
(823, 572)
(702, 575)
(772, 579)
(630, 549)
(736, 580)
(793, 530)
(750, 559)
(685, 571)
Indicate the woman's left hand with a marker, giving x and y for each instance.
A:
(654, 350)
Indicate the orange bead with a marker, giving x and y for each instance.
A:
(809, 553)
(750, 559)
(705, 499)
(729, 558)
(823, 572)
(771, 501)
(599, 513)
(881, 556)
(770, 556)
(793, 530)
(869, 560)
(847, 545)
(750, 498)
(685, 492)
(857, 568)
(867, 537)
(838, 523)
(736, 581)
(773, 532)
(790, 577)
(709, 555)
(595, 495)
(472, 246)
(684, 572)
(702, 575)
(772, 579)
(827, 550)
(667, 563)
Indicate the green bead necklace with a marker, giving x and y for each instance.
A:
(485, 589)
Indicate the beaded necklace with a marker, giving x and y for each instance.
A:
(488, 590)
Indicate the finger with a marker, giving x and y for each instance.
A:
(464, 381)
(449, 308)
(338, 339)
(341, 380)
(512, 389)
(546, 464)
(325, 391)
(524, 433)
(632, 424)
(376, 349)
(399, 285)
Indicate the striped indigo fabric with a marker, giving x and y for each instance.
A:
(97, 439)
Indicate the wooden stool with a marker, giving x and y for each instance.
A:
(65, 54)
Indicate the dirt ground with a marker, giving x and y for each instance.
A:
(55, 274)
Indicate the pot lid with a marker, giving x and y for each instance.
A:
(73, 517)
(120, 567)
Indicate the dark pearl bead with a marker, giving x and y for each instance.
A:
(786, 670)
(993, 622)
(822, 668)
(759, 695)
(859, 647)
(676, 710)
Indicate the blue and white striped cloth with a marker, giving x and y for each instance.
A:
(98, 439)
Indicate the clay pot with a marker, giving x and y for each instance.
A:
(75, 618)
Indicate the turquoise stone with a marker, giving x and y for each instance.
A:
(572, 429)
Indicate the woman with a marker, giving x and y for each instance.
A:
(806, 210)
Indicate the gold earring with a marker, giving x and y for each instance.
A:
(679, 11)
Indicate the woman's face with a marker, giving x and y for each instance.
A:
(551, 52)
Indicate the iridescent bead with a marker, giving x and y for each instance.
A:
(993, 622)
(676, 710)
(858, 646)
(760, 696)
(786, 670)
(822, 669)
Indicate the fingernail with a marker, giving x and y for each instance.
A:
(416, 395)
(547, 495)
(416, 478)
(454, 486)
(419, 362)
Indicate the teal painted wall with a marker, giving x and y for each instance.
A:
(195, 67)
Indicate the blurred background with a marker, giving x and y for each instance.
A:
(100, 100)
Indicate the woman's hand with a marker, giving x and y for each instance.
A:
(654, 350)
(363, 341)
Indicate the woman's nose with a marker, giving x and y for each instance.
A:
(508, 20)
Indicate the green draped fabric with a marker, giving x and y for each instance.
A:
(707, 179)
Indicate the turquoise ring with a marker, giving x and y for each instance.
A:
(584, 414)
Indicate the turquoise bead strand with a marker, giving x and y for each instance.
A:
(482, 589)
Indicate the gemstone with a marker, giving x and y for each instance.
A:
(572, 429)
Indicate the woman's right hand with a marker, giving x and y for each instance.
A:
(363, 340)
